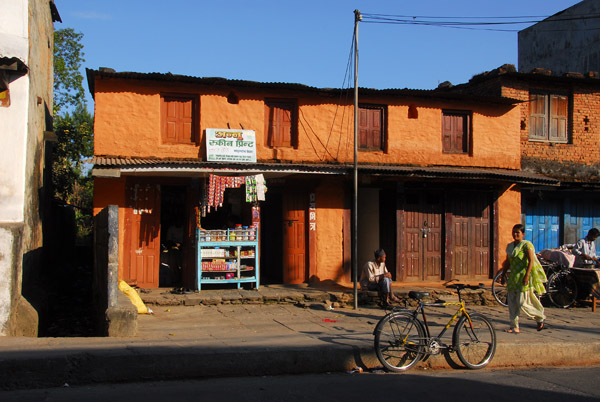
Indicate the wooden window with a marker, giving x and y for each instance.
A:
(179, 119)
(371, 128)
(548, 117)
(280, 123)
(456, 131)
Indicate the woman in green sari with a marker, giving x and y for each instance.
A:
(526, 277)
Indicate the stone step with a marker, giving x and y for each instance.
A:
(303, 295)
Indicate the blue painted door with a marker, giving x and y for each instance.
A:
(580, 216)
(542, 223)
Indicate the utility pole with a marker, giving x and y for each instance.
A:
(354, 234)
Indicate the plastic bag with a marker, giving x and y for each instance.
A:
(134, 297)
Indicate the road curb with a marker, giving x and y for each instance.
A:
(156, 363)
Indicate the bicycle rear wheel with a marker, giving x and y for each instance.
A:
(562, 289)
(399, 341)
(475, 342)
(499, 288)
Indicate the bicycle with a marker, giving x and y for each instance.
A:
(402, 339)
(561, 287)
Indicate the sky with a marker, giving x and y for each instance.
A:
(307, 42)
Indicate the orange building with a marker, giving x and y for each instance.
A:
(438, 175)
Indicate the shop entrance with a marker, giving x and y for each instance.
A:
(294, 238)
(284, 240)
(271, 214)
(172, 236)
(142, 235)
(422, 234)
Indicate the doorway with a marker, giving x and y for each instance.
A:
(173, 235)
(421, 243)
(271, 214)
(142, 235)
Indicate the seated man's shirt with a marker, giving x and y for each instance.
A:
(371, 273)
(584, 247)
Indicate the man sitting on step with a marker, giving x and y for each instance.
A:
(375, 276)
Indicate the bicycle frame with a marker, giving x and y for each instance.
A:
(460, 312)
(402, 339)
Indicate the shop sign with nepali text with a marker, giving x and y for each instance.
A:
(226, 145)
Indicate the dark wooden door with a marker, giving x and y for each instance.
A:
(421, 244)
(470, 228)
(294, 238)
(142, 235)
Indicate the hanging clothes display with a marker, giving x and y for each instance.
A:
(261, 187)
(216, 188)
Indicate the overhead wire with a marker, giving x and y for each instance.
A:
(344, 95)
(465, 23)
(342, 92)
(479, 23)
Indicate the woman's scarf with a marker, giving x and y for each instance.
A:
(519, 261)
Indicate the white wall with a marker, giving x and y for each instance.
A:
(14, 39)
(14, 42)
(13, 136)
(6, 268)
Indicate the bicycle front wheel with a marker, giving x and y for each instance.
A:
(499, 288)
(475, 341)
(399, 341)
(562, 289)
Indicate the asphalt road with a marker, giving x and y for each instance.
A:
(548, 385)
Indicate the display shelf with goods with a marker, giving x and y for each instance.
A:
(228, 256)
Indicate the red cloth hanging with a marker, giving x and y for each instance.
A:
(217, 186)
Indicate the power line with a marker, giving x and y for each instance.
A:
(482, 23)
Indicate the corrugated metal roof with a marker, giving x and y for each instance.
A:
(182, 165)
(517, 176)
(149, 165)
(326, 92)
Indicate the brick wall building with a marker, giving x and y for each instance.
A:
(560, 137)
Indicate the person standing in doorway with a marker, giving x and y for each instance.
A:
(375, 276)
(526, 277)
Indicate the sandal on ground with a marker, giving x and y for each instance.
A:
(540, 326)
(512, 331)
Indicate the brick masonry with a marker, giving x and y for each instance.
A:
(583, 144)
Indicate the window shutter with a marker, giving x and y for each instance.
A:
(370, 128)
(558, 118)
(375, 125)
(170, 134)
(185, 121)
(178, 116)
(280, 120)
(447, 133)
(455, 132)
(537, 116)
(285, 119)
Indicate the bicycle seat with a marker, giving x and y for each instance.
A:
(417, 295)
